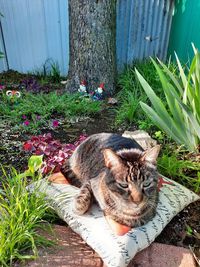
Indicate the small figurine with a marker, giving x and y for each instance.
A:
(82, 88)
(13, 93)
(99, 92)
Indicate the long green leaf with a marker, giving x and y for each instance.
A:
(160, 123)
(172, 77)
(155, 100)
(168, 89)
(174, 107)
(158, 106)
(194, 123)
(182, 74)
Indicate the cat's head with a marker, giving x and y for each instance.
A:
(132, 175)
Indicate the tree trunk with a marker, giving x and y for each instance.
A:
(92, 25)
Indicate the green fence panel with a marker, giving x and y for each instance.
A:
(185, 29)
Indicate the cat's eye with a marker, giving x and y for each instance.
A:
(123, 185)
(146, 183)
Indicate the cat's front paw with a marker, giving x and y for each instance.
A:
(81, 204)
(83, 200)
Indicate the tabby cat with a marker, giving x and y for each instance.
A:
(119, 174)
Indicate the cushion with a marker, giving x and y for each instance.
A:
(115, 250)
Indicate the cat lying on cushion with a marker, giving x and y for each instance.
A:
(118, 174)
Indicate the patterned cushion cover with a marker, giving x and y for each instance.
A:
(116, 251)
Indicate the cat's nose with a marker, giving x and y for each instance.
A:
(136, 195)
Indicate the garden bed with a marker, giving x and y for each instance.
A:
(183, 230)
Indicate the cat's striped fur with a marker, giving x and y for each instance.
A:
(119, 174)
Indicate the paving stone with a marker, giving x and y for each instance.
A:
(161, 255)
(72, 251)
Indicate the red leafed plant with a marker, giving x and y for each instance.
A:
(54, 152)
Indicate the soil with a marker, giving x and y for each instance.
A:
(11, 154)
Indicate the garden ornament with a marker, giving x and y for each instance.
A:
(13, 93)
(82, 88)
(100, 89)
(99, 92)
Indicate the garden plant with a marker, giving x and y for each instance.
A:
(179, 114)
(22, 214)
(37, 123)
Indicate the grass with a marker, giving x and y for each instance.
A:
(49, 72)
(45, 107)
(21, 215)
(174, 164)
(131, 93)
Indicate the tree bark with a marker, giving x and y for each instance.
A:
(92, 26)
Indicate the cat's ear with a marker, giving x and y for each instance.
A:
(151, 154)
(111, 158)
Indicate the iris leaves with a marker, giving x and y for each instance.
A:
(179, 114)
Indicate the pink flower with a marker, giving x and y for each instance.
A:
(2, 87)
(55, 123)
(26, 123)
(24, 117)
(38, 117)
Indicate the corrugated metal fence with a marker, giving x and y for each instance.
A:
(143, 28)
(34, 31)
(185, 29)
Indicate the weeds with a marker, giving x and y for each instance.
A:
(55, 73)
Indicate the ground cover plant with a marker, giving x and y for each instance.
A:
(54, 152)
(33, 111)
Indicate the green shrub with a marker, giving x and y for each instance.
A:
(179, 114)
